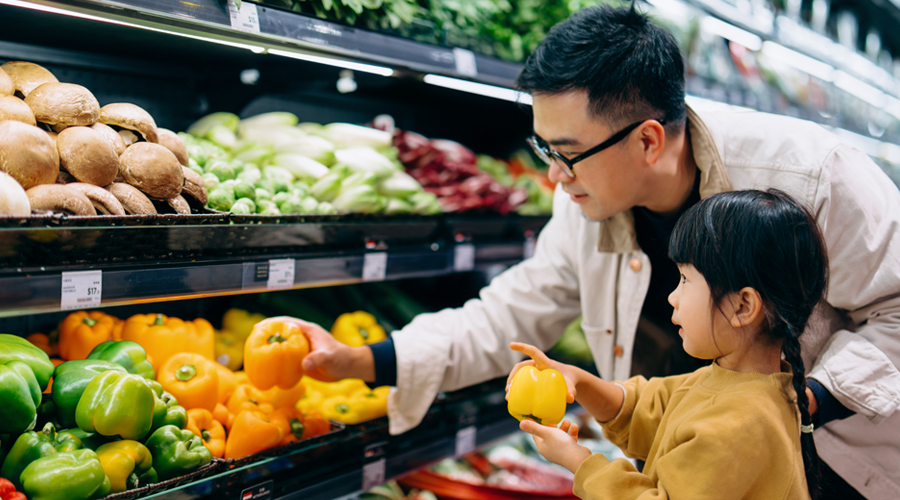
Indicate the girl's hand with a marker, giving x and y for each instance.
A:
(542, 362)
(559, 446)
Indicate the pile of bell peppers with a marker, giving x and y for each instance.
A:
(349, 401)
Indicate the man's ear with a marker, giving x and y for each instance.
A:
(653, 140)
(747, 307)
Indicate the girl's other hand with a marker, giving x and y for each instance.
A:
(559, 446)
(540, 361)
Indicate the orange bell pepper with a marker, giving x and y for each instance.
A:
(210, 431)
(223, 416)
(291, 422)
(192, 379)
(227, 382)
(248, 398)
(314, 424)
(82, 331)
(274, 352)
(163, 337)
(118, 327)
(42, 342)
(285, 397)
(56, 362)
(251, 433)
(242, 378)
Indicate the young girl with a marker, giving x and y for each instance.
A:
(753, 266)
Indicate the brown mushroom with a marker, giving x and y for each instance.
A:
(56, 198)
(13, 200)
(104, 202)
(131, 117)
(7, 87)
(194, 185)
(13, 108)
(128, 137)
(63, 104)
(64, 177)
(180, 205)
(27, 76)
(153, 169)
(28, 154)
(174, 144)
(112, 136)
(87, 155)
(133, 201)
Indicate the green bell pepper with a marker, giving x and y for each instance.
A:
(127, 464)
(176, 452)
(130, 355)
(25, 372)
(91, 440)
(69, 382)
(116, 404)
(34, 445)
(67, 475)
(167, 411)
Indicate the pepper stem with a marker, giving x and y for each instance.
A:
(364, 333)
(159, 320)
(532, 417)
(277, 338)
(49, 429)
(89, 321)
(205, 435)
(186, 372)
(296, 427)
(342, 408)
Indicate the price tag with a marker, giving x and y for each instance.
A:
(465, 440)
(245, 17)
(464, 257)
(373, 474)
(281, 274)
(259, 492)
(81, 289)
(375, 266)
(465, 62)
(528, 247)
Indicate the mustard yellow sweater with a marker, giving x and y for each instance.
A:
(713, 434)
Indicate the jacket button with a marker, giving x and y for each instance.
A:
(608, 331)
(635, 265)
(618, 351)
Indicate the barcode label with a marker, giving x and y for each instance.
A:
(281, 274)
(375, 266)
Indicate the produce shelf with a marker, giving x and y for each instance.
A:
(153, 263)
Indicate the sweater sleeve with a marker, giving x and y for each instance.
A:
(645, 402)
(703, 463)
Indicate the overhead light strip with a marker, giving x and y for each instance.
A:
(731, 32)
(479, 88)
(330, 61)
(816, 68)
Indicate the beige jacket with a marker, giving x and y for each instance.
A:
(595, 269)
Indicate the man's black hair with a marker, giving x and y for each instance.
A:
(631, 68)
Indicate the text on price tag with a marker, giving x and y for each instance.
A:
(464, 257)
(281, 274)
(374, 266)
(466, 65)
(465, 440)
(245, 17)
(81, 289)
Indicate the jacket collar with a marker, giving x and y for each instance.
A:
(617, 234)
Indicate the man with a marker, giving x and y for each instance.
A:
(629, 157)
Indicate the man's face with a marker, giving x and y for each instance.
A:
(606, 183)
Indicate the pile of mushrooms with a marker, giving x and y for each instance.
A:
(60, 152)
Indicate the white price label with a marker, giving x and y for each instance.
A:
(375, 266)
(245, 18)
(373, 474)
(281, 274)
(528, 248)
(81, 289)
(465, 440)
(465, 62)
(464, 257)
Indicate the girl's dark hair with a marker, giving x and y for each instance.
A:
(767, 241)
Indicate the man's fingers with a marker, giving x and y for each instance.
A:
(313, 361)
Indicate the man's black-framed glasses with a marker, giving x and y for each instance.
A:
(567, 165)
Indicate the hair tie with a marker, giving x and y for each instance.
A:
(806, 429)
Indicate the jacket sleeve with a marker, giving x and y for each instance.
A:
(858, 209)
(634, 428)
(701, 463)
(531, 302)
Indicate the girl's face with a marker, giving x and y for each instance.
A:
(705, 330)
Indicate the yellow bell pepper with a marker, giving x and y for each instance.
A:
(281, 398)
(371, 404)
(128, 465)
(192, 379)
(312, 400)
(539, 395)
(227, 383)
(248, 398)
(240, 322)
(345, 387)
(163, 337)
(357, 328)
(229, 350)
(82, 331)
(343, 409)
(273, 354)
